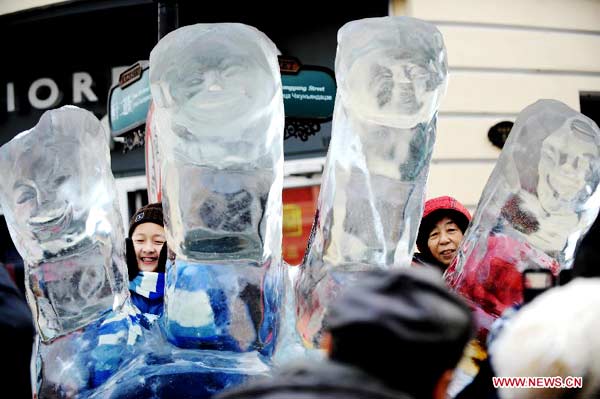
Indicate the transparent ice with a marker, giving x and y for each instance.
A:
(219, 122)
(152, 159)
(226, 285)
(58, 197)
(223, 307)
(391, 75)
(169, 372)
(539, 202)
(219, 115)
(59, 200)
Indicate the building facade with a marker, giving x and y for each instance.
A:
(504, 55)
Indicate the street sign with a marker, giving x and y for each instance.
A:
(128, 102)
(309, 93)
(308, 90)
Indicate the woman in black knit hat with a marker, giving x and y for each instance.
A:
(146, 258)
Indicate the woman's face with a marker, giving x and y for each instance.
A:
(443, 241)
(148, 240)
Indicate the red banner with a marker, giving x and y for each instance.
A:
(299, 205)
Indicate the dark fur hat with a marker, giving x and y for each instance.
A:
(408, 315)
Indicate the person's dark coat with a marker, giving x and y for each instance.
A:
(322, 380)
(481, 387)
(16, 335)
(587, 257)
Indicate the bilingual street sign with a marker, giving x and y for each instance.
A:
(129, 101)
(308, 99)
(309, 94)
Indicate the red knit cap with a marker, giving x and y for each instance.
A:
(445, 202)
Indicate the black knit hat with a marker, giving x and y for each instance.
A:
(151, 213)
(407, 316)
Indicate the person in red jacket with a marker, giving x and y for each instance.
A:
(442, 228)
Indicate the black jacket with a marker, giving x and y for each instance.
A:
(323, 380)
(16, 335)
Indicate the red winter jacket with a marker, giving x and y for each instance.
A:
(491, 278)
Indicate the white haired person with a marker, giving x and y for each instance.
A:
(554, 336)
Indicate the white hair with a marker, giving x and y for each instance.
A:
(558, 334)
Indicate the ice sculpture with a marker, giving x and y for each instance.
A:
(153, 178)
(58, 197)
(59, 200)
(219, 114)
(539, 202)
(391, 76)
(219, 122)
(222, 184)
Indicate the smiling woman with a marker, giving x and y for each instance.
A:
(443, 225)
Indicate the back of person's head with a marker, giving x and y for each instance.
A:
(556, 335)
(435, 210)
(403, 327)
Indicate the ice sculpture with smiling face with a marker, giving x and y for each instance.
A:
(539, 202)
(391, 75)
(58, 196)
(218, 115)
(219, 122)
(58, 199)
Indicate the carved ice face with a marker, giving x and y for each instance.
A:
(58, 198)
(392, 87)
(217, 84)
(54, 181)
(566, 169)
(218, 111)
(46, 194)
